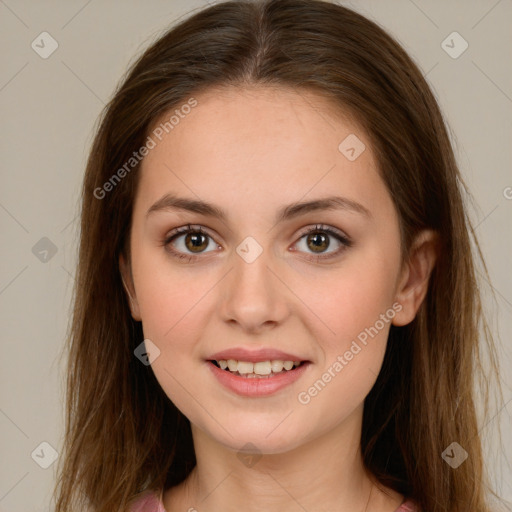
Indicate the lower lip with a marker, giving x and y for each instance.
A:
(245, 386)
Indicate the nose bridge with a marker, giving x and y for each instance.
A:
(252, 295)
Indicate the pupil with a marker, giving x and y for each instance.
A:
(319, 240)
(318, 244)
(195, 241)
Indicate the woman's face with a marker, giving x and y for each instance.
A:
(254, 282)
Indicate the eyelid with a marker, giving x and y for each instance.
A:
(341, 236)
(327, 229)
(325, 257)
(184, 230)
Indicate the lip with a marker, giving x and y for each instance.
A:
(257, 387)
(255, 356)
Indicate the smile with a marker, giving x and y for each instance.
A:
(258, 369)
(260, 378)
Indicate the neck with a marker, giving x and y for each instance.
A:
(327, 470)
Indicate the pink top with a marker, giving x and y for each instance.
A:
(151, 502)
(406, 506)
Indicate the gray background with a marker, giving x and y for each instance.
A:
(50, 107)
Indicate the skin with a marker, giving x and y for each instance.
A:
(252, 151)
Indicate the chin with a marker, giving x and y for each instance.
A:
(257, 437)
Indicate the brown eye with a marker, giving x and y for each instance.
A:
(195, 242)
(317, 242)
(319, 239)
(188, 241)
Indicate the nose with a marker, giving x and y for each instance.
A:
(254, 296)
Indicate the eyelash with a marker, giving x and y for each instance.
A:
(343, 239)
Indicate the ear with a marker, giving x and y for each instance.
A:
(413, 281)
(126, 277)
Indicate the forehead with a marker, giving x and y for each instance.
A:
(261, 142)
(263, 114)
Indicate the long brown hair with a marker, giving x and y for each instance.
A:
(123, 435)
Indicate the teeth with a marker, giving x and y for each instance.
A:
(232, 365)
(288, 365)
(244, 367)
(259, 368)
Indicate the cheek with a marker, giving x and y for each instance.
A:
(355, 311)
(172, 308)
(350, 299)
(167, 293)
(174, 305)
(354, 306)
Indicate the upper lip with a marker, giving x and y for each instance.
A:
(254, 356)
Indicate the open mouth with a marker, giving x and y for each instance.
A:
(258, 370)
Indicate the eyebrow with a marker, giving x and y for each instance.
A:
(173, 202)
